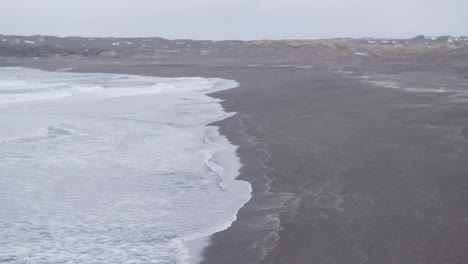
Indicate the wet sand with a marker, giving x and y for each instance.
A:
(351, 160)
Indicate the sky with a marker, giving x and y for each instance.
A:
(235, 19)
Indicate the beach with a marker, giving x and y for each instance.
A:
(352, 159)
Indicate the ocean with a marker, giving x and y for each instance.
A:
(112, 168)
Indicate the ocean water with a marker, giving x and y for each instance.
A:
(103, 168)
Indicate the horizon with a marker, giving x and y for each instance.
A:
(334, 38)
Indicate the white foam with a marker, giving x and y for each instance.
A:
(14, 88)
(121, 170)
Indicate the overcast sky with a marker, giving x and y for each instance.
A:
(235, 19)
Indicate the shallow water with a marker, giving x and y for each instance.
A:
(102, 168)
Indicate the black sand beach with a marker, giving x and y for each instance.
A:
(352, 159)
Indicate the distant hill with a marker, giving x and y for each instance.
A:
(46, 46)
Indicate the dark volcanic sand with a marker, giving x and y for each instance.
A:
(352, 160)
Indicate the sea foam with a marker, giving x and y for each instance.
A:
(102, 168)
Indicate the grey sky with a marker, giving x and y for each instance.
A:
(235, 19)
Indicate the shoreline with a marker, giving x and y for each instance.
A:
(379, 173)
(228, 171)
